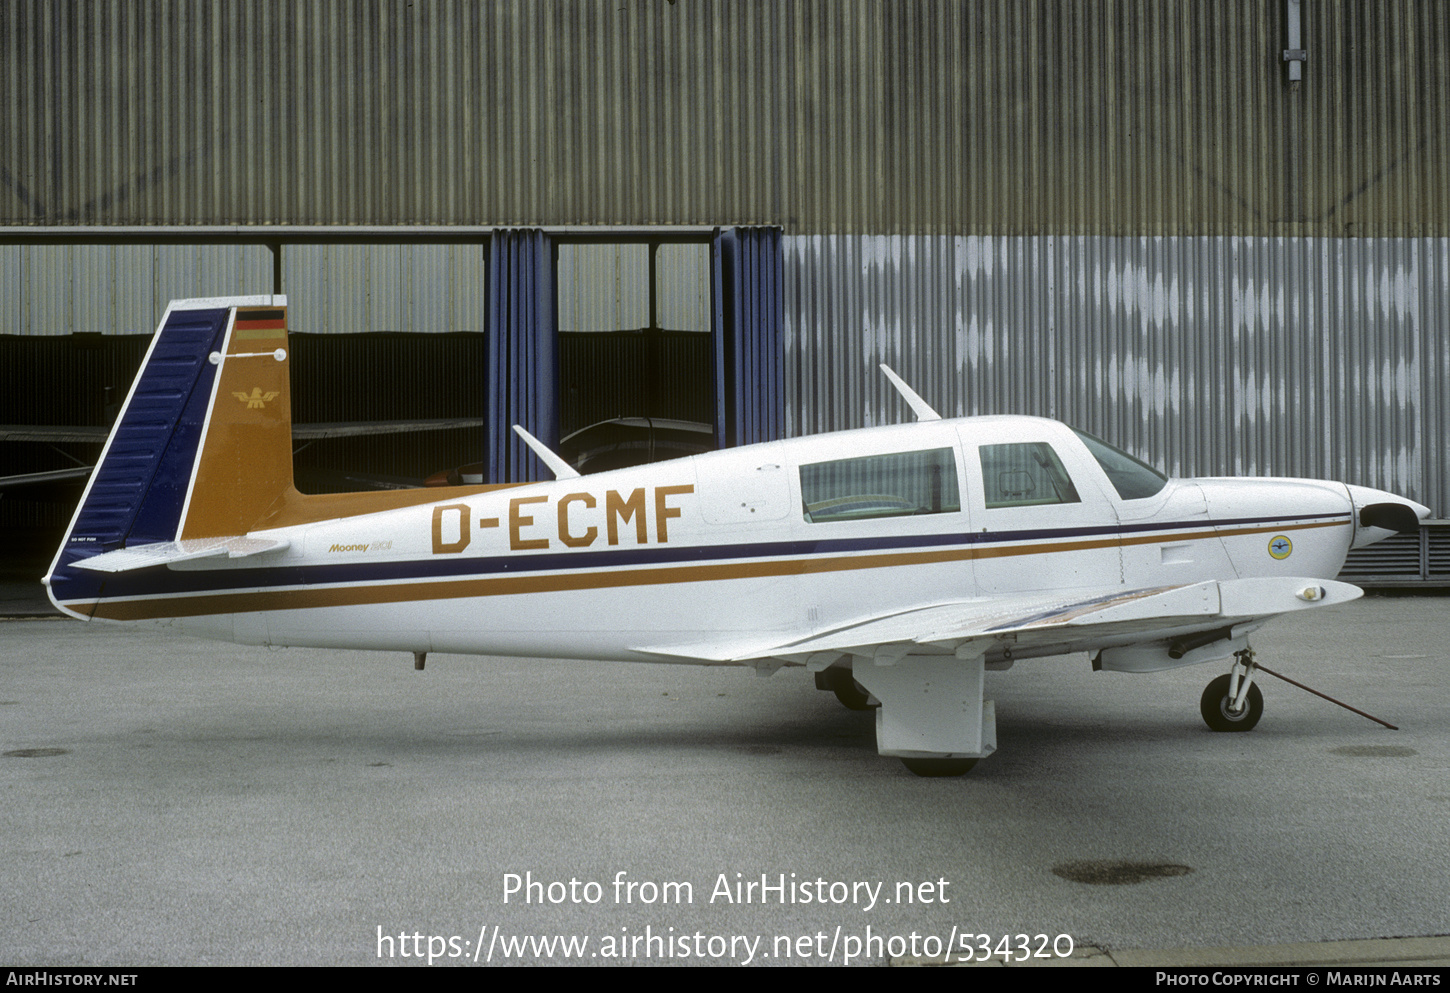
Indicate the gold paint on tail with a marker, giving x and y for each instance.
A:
(246, 459)
(244, 476)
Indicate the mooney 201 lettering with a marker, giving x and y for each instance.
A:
(898, 564)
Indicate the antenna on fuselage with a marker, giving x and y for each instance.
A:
(913, 399)
(560, 468)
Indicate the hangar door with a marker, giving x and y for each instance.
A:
(649, 329)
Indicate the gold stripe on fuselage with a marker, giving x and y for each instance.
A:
(308, 598)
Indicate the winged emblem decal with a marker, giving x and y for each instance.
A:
(256, 400)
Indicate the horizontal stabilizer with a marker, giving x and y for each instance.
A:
(187, 550)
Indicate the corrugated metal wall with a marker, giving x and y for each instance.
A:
(1234, 356)
(117, 289)
(1005, 117)
(339, 289)
(605, 287)
(333, 289)
(1288, 356)
(1116, 212)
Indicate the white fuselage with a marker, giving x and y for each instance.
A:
(727, 547)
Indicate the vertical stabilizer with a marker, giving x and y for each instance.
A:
(202, 446)
(245, 464)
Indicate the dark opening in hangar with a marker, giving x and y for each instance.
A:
(691, 349)
(636, 330)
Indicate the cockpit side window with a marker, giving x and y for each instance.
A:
(895, 485)
(1024, 475)
(1133, 479)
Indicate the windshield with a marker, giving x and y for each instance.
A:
(1132, 478)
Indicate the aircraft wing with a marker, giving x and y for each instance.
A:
(353, 429)
(61, 434)
(50, 476)
(96, 434)
(56, 434)
(1072, 618)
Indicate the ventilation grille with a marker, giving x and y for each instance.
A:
(1404, 558)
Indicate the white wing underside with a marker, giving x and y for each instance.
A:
(1081, 619)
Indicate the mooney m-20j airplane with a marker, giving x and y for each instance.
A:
(898, 563)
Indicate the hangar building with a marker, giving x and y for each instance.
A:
(1213, 232)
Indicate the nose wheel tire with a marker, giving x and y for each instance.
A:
(1216, 707)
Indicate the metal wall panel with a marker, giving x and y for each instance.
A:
(684, 287)
(118, 289)
(386, 284)
(428, 288)
(47, 290)
(326, 287)
(178, 272)
(986, 117)
(123, 289)
(603, 287)
(340, 289)
(1232, 356)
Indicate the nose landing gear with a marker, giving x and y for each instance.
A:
(1232, 702)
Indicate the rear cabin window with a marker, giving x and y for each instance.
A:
(898, 485)
(1024, 475)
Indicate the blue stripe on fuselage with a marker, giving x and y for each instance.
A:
(159, 580)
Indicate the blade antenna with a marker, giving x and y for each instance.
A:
(913, 399)
(560, 468)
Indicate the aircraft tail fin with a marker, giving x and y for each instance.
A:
(202, 447)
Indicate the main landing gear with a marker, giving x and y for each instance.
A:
(939, 768)
(933, 713)
(1232, 702)
(930, 711)
(840, 681)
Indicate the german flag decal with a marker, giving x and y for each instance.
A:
(254, 323)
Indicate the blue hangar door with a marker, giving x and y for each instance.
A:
(741, 364)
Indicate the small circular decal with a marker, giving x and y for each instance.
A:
(1280, 546)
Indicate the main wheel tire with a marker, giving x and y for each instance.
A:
(1215, 707)
(935, 768)
(853, 695)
